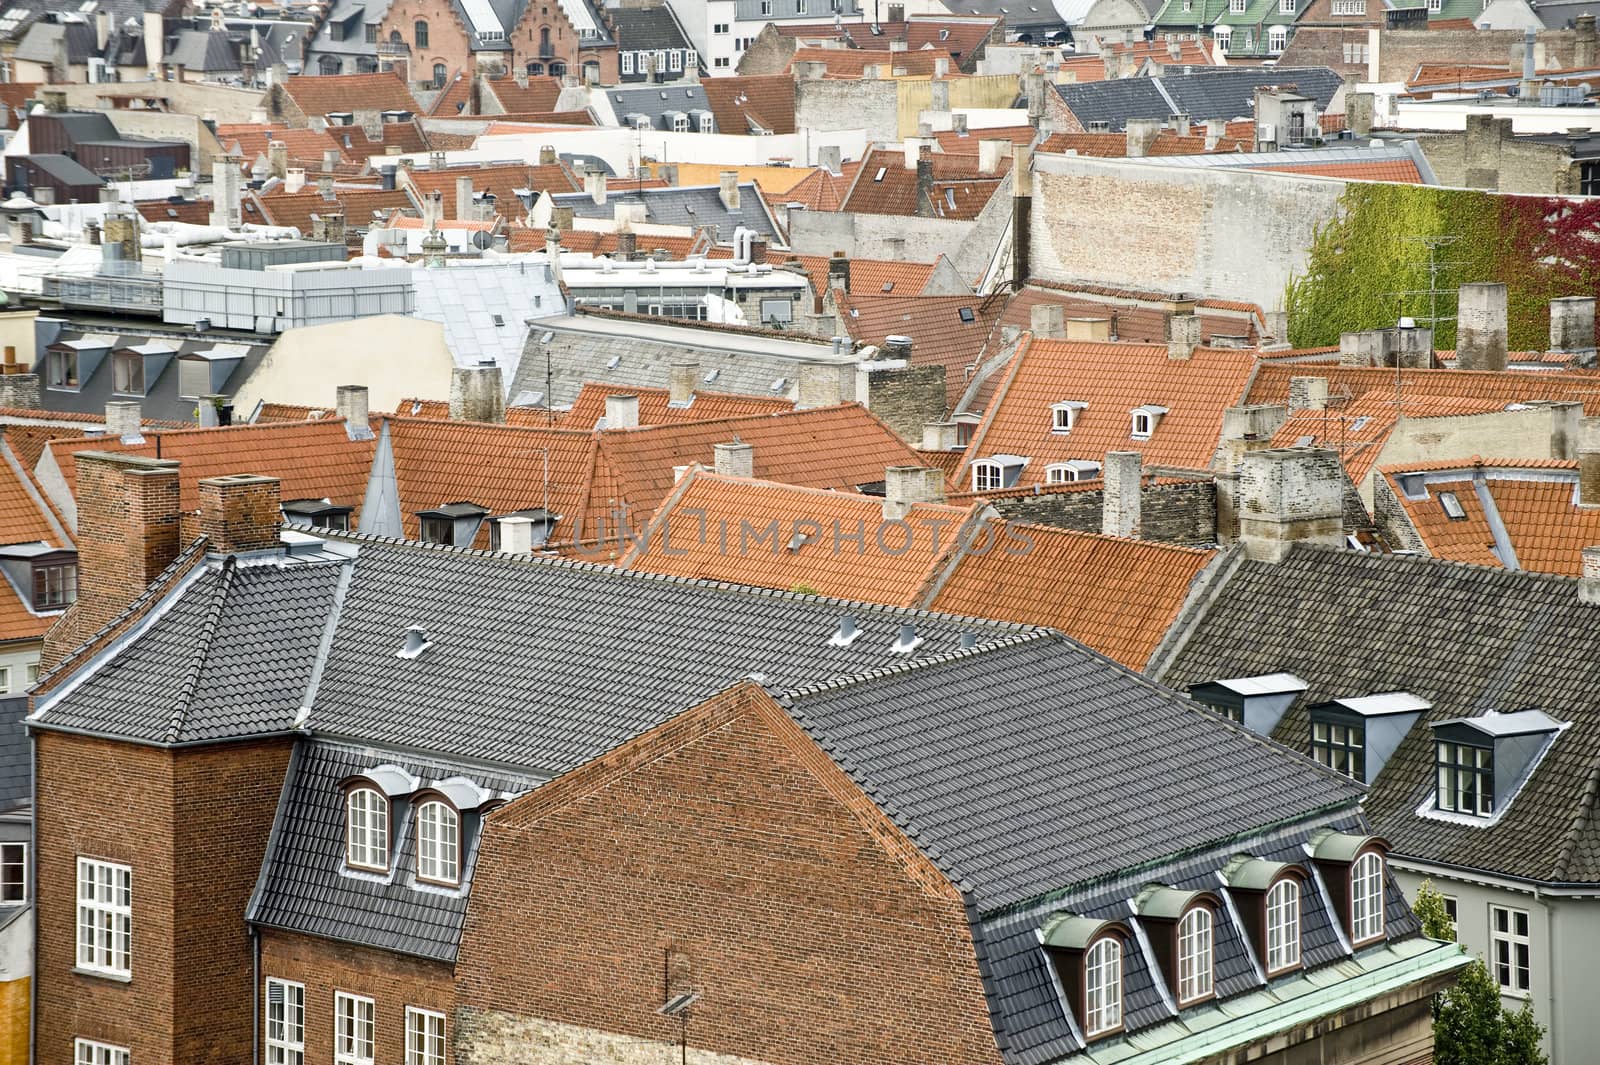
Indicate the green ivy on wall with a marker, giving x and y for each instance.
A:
(1370, 265)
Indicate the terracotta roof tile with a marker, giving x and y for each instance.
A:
(1358, 427)
(306, 146)
(1135, 316)
(402, 137)
(358, 205)
(1115, 145)
(455, 98)
(502, 181)
(1399, 171)
(321, 94)
(823, 190)
(1271, 384)
(1110, 380)
(21, 522)
(852, 62)
(958, 36)
(193, 212)
(539, 94)
(937, 325)
(885, 185)
(868, 276)
(952, 143)
(522, 122)
(597, 243)
(741, 103)
(654, 409)
(439, 410)
(1118, 596)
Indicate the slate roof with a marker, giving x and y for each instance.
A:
(687, 207)
(16, 753)
(745, 103)
(659, 102)
(1212, 93)
(468, 300)
(654, 408)
(1469, 639)
(305, 886)
(647, 29)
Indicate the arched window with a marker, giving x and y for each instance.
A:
(367, 829)
(986, 476)
(535, 69)
(328, 64)
(544, 41)
(1283, 926)
(1366, 898)
(396, 39)
(438, 843)
(419, 33)
(1102, 987)
(558, 70)
(1194, 956)
(439, 74)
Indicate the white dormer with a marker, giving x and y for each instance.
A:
(1064, 415)
(996, 472)
(1071, 471)
(1145, 420)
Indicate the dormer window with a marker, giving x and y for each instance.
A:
(367, 829)
(1352, 871)
(1466, 778)
(1256, 702)
(1268, 894)
(1086, 954)
(1195, 951)
(1071, 471)
(1341, 748)
(1064, 415)
(454, 524)
(1366, 898)
(438, 843)
(1283, 927)
(1356, 735)
(1102, 987)
(1179, 928)
(1481, 762)
(996, 472)
(1145, 420)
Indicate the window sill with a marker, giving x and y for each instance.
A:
(116, 978)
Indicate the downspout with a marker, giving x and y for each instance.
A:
(32, 874)
(1551, 966)
(255, 996)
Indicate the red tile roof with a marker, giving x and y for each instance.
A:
(307, 147)
(539, 94)
(401, 137)
(953, 143)
(455, 98)
(321, 94)
(502, 181)
(23, 520)
(852, 62)
(937, 326)
(1115, 145)
(13, 95)
(654, 409)
(868, 277)
(1271, 384)
(358, 205)
(1130, 315)
(885, 185)
(193, 212)
(822, 190)
(1404, 171)
(740, 104)
(1110, 380)
(1358, 427)
(597, 243)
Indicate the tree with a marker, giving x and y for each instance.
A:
(1430, 909)
(1470, 1027)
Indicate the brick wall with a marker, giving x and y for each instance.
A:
(1486, 156)
(1170, 513)
(906, 400)
(724, 853)
(193, 826)
(1391, 519)
(392, 981)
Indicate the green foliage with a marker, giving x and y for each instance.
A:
(804, 589)
(1470, 1027)
(1429, 908)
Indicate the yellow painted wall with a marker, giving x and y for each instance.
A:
(774, 180)
(915, 95)
(14, 1022)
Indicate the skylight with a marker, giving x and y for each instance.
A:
(882, 170)
(967, 315)
(1452, 506)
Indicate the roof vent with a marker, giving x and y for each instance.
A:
(846, 634)
(416, 642)
(907, 641)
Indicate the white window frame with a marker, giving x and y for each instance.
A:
(1063, 416)
(438, 843)
(425, 1030)
(675, 59)
(1102, 987)
(661, 60)
(5, 679)
(680, 124)
(14, 856)
(721, 27)
(366, 829)
(1366, 898)
(691, 59)
(985, 472)
(1238, 7)
(1287, 7)
(1196, 955)
(354, 1030)
(1277, 39)
(1511, 950)
(708, 123)
(105, 917)
(1224, 37)
(1283, 926)
(1143, 426)
(1449, 795)
(1452, 910)
(89, 1052)
(1435, 6)
(627, 62)
(285, 1027)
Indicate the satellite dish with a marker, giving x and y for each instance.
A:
(482, 239)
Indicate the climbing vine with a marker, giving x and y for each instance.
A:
(1369, 266)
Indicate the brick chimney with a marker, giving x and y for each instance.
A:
(1589, 583)
(925, 181)
(940, 436)
(736, 459)
(124, 421)
(240, 512)
(680, 386)
(622, 412)
(1290, 495)
(821, 384)
(1048, 321)
(1308, 393)
(1588, 478)
(905, 486)
(1183, 336)
(1122, 475)
(127, 533)
(19, 391)
(839, 271)
(352, 404)
(476, 394)
(1481, 326)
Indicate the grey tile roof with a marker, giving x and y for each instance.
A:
(211, 51)
(1466, 638)
(305, 887)
(647, 29)
(16, 759)
(699, 205)
(659, 102)
(467, 300)
(1202, 94)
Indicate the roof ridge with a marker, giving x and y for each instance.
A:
(191, 680)
(806, 691)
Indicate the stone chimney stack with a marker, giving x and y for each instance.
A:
(1359, 109)
(622, 412)
(990, 152)
(1589, 583)
(1048, 321)
(124, 420)
(1481, 326)
(476, 394)
(906, 486)
(464, 212)
(1572, 329)
(1308, 393)
(925, 181)
(240, 512)
(1369, 347)
(1290, 495)
(685, 375)
(839, 271)
(594, 183)
(1183, 335)
(278, 159)
(1120, 513)
(225, 206)
(352, 404)
(1588, 478)
(19, 391)
(736, 459)
(940, 436)
(1583, 42)
(728, 191)
(821, 384)
(1142, 133)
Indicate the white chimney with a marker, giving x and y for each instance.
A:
(622, 412)
(516, 534)
(294, 179)
(594, 183)
(735, 460)
(351, 403)
(682, 382)
(729, 191)
(123, 421)
(905, 486)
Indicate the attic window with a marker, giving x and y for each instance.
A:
(498, 320)
(780, 385)
(438, 843)
(55, 584)
(367, 829)
(888, 286)
(966, 315)
(1360, 423)
(1071, 472)
(1064, 415)
(1451, 504)
(882, 170)
(1145, 419)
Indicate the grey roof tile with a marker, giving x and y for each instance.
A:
(1202, 93)
(16, 756)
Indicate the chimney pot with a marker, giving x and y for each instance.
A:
(516, 534)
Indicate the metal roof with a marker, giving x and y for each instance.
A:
(1381, 704)
(1521, 723)
(1266, 684)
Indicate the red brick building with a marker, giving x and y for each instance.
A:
(440, 40)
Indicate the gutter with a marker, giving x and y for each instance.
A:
(1469, 874)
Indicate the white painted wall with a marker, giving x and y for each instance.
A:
(394, 356)
(17, 658)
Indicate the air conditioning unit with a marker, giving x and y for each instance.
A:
(1266, 131)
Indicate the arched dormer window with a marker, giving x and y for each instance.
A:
(1196, 953)
(1352, 868)
(438, 843)
(1268, 895)
(1102, 987)
(1180, 926)
(1366, 898)
(1283, 926)
(366, 836)
(1087, 954)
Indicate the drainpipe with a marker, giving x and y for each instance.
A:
(32, 873)
(255, 996)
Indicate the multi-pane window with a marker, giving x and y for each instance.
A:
(1355, 53)
(352, 1030)
(1237, 7)
(367, 829)
(1452, 910)
(1366, 898)
(105, 917)
(438, 531)
(1349, 7)
(680, 123)
(63, 369)
(1144, 424)
(627, 62)
(88, 1052)
(1194, 955)
(1223, 35)
(129, 373)
(1283, 926)
(438, 839)
(1589, 179)
(424, 1037)
(55, 585)
(1510, 948)
(986, 476)
(286, 1023)
(1277, 39)
(420, 33)
(1341, 748)
(1102, 987)
(13, 872)
(1466, 778)
(1286, 7)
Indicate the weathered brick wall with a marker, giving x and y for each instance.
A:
(111, 801)
(224, 799)
(1487, 157)
(769, 53)
(1399, 51)
(906, 400)
(724, 853)
(1170, 513)
(392, 981)
(1391, 520)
